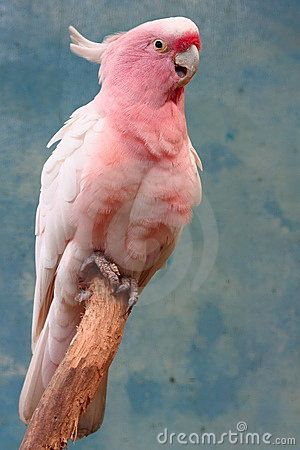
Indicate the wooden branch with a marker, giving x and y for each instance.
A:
(77, 378)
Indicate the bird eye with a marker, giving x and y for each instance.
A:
(160, 45)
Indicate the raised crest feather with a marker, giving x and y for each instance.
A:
(92, 51)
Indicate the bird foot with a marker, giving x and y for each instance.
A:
(108, 270)
(130, 286)
(111, 273)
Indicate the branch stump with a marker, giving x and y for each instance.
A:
(77, 378)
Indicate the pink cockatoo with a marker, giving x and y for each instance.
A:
(118, 189)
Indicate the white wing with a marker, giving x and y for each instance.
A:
(196, 161)
(60, 183)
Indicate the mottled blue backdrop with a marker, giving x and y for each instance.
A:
(223, 345)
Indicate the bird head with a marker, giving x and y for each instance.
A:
(150, 61)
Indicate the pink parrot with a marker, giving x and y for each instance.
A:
(117, 190)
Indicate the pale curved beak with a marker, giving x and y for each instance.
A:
(186, 64)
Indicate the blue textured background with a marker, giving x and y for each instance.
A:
(196, 360)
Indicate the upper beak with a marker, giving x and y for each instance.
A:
(186, 64)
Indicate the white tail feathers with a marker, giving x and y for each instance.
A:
(92, 51)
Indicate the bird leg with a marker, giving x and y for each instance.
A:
(111, 273)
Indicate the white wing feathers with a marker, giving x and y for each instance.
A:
(60, 186)
(54, 320)
(195, 155)
(196, 162)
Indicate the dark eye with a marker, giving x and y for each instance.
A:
(160, 45)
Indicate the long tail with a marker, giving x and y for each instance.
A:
(41, 370)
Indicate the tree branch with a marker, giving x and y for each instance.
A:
(77, 378)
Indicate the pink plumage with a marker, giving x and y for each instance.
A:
(122, 180)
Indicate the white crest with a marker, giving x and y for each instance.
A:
(92, 51)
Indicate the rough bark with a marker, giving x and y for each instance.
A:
(77, 378)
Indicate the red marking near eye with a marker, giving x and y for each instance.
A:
(183, 43)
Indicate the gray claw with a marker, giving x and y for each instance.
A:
(87, 262)
(133, 295)
(129, 285)
(124, 286)
(83, 296)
